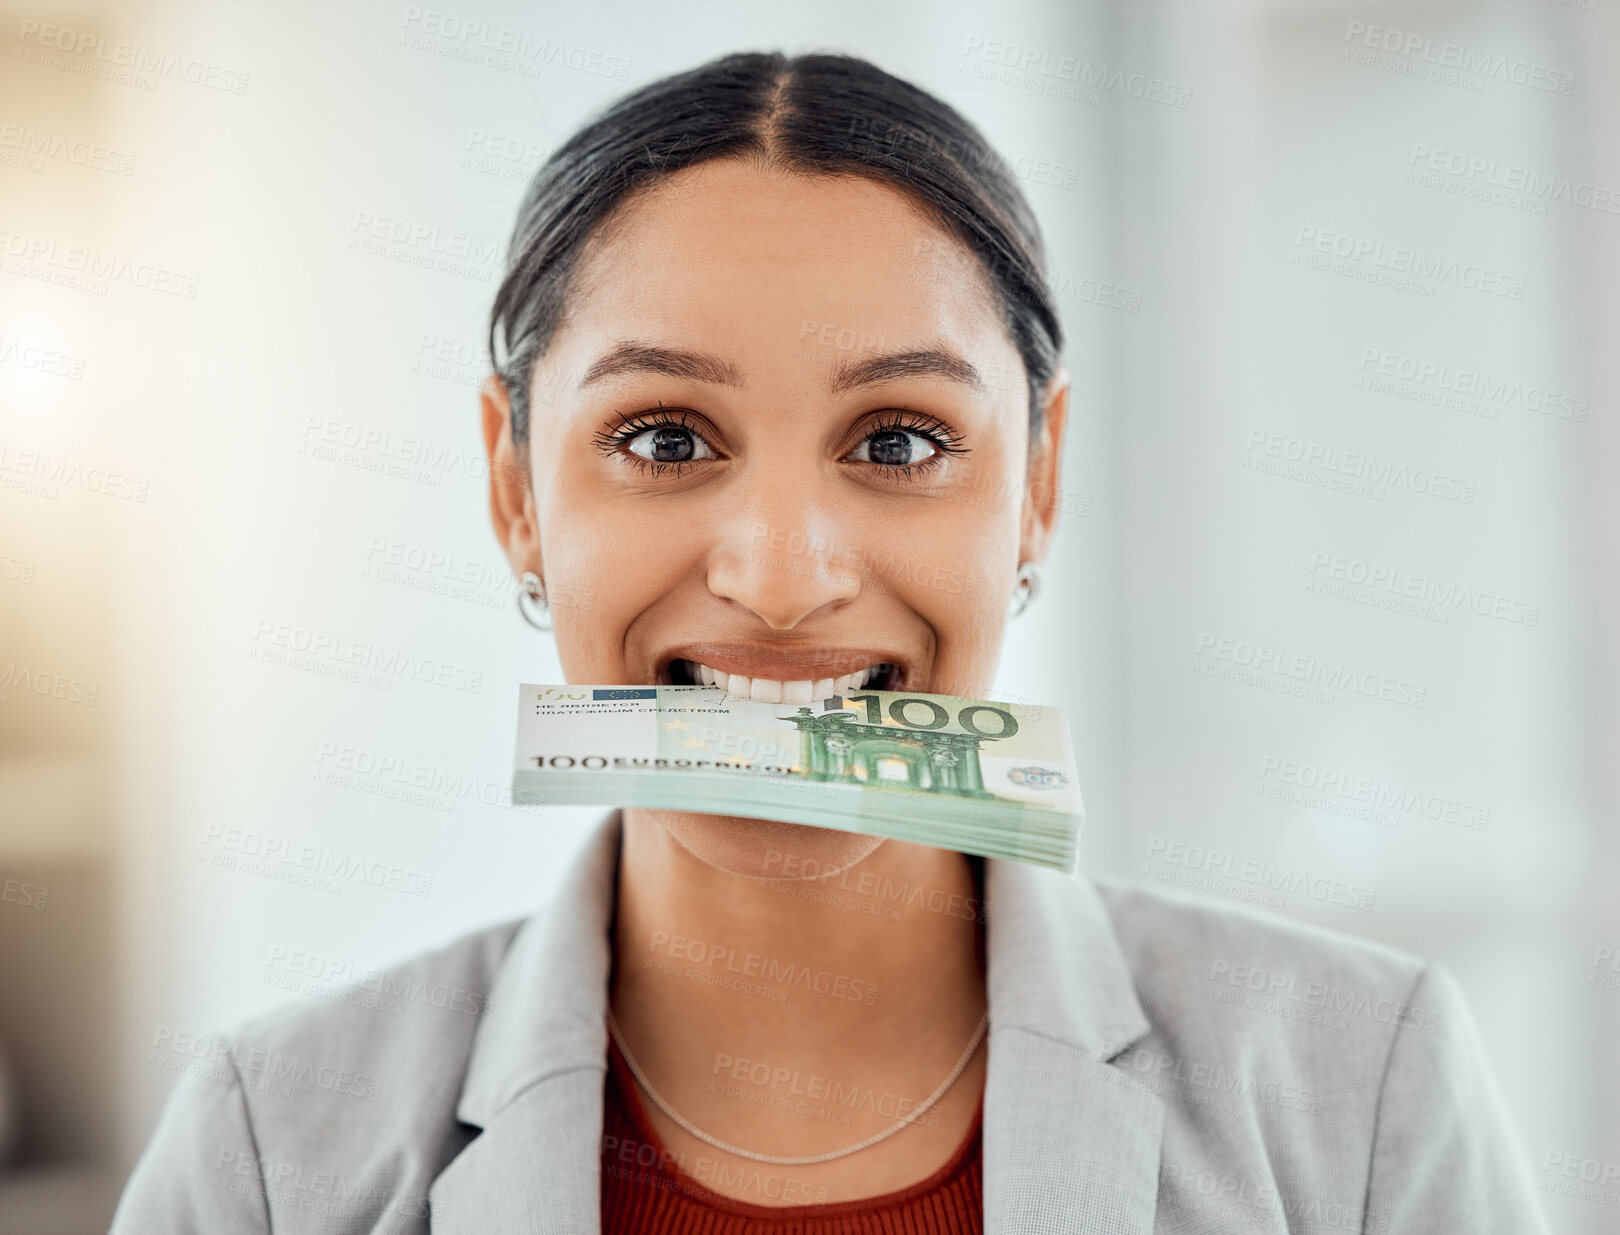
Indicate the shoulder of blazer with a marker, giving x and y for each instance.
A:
(1197, 939)
(354, 1095)
(1261, 977)
(1279, 1027)
(1312, 1076)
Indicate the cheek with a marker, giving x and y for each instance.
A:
(607, 560)
(955, 561)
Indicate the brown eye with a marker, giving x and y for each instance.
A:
(894, 448)
(669, 444)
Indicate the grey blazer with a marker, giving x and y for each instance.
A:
(1156, 1063)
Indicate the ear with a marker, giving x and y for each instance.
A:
(511, 496)
(1044, 493)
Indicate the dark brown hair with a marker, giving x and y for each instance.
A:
(818, 115)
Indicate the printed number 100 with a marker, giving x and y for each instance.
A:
(938, 716)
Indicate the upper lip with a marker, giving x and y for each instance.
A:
(808, 664)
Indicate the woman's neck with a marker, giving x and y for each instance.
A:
(871, 980)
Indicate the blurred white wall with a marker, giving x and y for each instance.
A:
(1351, 278)
(305, 430)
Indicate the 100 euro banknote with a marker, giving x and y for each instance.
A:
(972, 775)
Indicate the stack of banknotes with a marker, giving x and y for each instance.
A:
(971, 775)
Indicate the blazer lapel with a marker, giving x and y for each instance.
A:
(534, 1170)
(1071, 1143)
(536, 1070)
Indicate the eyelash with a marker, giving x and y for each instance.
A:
(612, 441)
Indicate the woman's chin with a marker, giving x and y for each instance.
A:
(764, 848)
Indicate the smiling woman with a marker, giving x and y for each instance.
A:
(777, 401)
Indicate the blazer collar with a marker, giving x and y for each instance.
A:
(1069, 1141)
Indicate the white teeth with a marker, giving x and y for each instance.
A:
(769, 690)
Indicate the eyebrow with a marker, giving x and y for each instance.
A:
(630, 357)
(924, 362)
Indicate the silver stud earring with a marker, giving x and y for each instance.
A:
(1027, 588)
(531, 601)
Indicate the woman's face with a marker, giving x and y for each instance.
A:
(782, 434)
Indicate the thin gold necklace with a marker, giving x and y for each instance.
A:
(641, 1078)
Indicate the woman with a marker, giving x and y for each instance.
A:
(779, 401)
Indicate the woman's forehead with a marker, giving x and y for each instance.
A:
(727, 240)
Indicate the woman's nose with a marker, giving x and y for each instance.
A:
(785, 566)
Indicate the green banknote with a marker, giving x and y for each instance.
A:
(972, 775)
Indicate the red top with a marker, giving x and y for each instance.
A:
(649, 1190)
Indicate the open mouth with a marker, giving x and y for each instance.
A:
(683, 672)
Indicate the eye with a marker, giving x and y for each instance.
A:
(906, 445)
(895, 448)
(655, 440)
(669, 444)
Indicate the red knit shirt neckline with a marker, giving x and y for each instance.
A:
(621, 1079)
